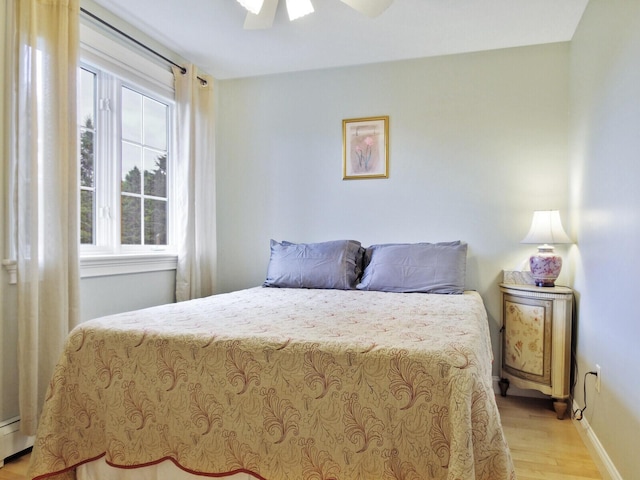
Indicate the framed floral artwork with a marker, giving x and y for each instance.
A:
(365, 148)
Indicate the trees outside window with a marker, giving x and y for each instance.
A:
(124, 132)
(86, 115)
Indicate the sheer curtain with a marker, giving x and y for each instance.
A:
(196, 189)
(44, 190)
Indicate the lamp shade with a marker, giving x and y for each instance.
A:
(254, 6)
(546, 227)
(546, 230)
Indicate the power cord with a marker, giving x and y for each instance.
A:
(578, 413)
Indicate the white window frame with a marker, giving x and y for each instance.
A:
(117, 65)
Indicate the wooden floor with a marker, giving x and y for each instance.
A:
(15, 469)
(542, 446)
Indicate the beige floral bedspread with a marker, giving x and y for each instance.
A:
(282, 384)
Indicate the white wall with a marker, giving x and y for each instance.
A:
(605, 199)
(100, 296)
(477, 142)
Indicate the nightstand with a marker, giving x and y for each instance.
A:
(536, 340)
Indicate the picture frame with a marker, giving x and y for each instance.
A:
(365, 148)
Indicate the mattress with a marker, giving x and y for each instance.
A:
(280, 384)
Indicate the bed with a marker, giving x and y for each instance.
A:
(278, 383)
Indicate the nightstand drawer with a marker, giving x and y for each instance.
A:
(526, 338)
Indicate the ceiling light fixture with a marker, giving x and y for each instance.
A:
(298, 8)
(262, 12)
(254, 6)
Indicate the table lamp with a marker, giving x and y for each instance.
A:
(546, 230)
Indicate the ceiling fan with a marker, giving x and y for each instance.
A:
(262, 12)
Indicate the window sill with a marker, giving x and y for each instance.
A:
(106, 265)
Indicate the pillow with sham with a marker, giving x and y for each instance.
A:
(332, 265)
(417, 267)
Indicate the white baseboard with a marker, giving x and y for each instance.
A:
(11, 440)
(597, 451)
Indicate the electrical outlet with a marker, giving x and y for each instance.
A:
(598, 378)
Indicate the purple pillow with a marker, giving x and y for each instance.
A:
(418, 267)
(335, 264)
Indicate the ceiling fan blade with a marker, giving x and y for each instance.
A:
(371, 8)
(264, 19)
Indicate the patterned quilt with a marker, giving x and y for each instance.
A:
(281, 384)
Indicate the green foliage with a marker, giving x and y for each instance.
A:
(87, 198)
(136, 205)
(155, 210)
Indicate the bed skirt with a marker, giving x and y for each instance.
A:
(101, 470)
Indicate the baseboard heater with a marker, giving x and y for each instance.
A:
(11, 440)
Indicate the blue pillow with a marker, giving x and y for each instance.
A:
(418, 267)
(335, 264)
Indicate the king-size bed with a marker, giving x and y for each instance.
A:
(278, 383)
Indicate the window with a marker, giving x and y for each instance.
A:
(143, 206)
(125, 131)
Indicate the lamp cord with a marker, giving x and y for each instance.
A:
(578, 414)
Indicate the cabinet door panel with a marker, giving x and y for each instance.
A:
(527, 338)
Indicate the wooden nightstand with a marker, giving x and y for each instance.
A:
(536, 340)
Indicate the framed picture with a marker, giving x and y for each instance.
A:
(365, 148)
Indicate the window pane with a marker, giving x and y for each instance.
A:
(86, 119)
(86, 158)
(87, 214)
(130, 229)
(155, 124)
(131, 115)
(155, 173)
(86, 102)
(155, 222)
(131, 168)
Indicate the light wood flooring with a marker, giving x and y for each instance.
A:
(15, 468)
(542, 446)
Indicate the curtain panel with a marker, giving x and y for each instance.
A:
(195, 185)
(43, 177)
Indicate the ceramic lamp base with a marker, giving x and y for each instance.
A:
(545, 266)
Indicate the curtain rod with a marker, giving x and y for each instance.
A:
(130, 38)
